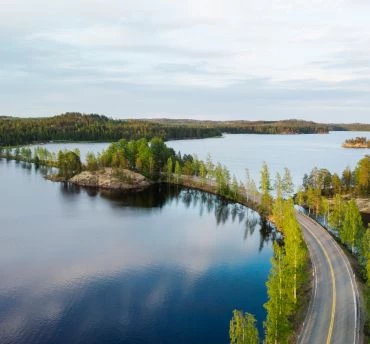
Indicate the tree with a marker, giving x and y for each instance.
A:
(177, 171)
(265, 187)
(336, 183)
(278, 205)
(91, 162)
(352, 228)
(300, 197)
(210, 166)
(278, 307)
(243, 329)
(336, 216)
(325, 209)
(202, 172)
(234, 189)
(362, 176)
(295, 250)
(288, 186)
(347, 179)
(69, 164)
(169, 168)
(365, 253)
(279, 186)
(222, 176)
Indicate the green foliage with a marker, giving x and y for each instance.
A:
(178, 172)
(148, 158)
(352, 229)
(92, 127)
(353, 182)
(288, 186)
(69, 164)
(279, 306)
(78, 127)
(222, 176)
(347, 179)
(287, 273)
(365, 253)
(336, 183)
(92, 163)
(362, 176)
(265, 187)
(243, 329)
(169, 168)
(336, 216)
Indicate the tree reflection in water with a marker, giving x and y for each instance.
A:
(158, 195)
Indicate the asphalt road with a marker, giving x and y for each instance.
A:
(333, 314)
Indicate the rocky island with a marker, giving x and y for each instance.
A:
(111, 179)
(358, 142)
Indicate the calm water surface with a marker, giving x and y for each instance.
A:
(163, 266)
(300, 153)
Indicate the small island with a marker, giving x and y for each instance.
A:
(358, 142)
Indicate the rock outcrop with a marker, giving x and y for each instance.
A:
(112, 179)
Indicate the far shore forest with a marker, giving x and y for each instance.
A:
(322, 193)
(79, 127)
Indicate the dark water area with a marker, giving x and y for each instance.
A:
(167, 265)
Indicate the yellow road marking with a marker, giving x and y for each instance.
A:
(328, 340)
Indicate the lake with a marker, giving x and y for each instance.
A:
(167, 265)
(164, 266)
(300, 153)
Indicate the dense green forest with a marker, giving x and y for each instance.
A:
(79, 127)
(349, 127)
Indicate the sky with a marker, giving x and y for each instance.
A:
(215, 59)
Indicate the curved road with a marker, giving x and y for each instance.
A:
(333, 314)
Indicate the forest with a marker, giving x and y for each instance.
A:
(79, 127)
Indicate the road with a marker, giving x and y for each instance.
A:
(333, 314)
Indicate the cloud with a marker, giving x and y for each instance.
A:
(244, 55)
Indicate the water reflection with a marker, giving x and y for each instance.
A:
(157, 196)
(165, 265)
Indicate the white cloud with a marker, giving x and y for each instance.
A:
(106, 47)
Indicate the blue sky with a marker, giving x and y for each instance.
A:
(266, 59)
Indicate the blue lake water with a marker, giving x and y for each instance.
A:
(300, 153)
(164, 266)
